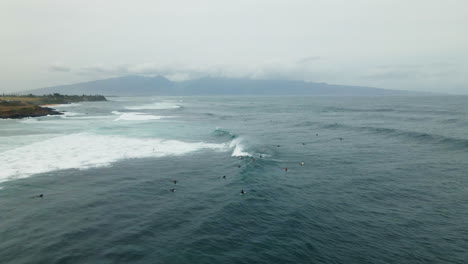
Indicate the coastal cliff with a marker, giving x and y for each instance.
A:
(30, 105)
(22, 110)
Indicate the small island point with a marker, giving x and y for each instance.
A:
(22, 106)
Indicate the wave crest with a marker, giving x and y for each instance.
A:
(154, 106)
(239, 148)
(136, 116)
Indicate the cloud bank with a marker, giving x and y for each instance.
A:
(332, 41)
(311, 68)
(59, 67)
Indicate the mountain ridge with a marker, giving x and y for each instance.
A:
(134, 85)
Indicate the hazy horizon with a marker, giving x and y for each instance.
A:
(401, 45)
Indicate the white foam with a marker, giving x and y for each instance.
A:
(85, 150)
(65, 105)
(68, 114)
(155, 106)
(239, 149)
(92, 117)
(28, 120)
(136, 116)
(40, 121)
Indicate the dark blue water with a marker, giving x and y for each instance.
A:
(385, 180)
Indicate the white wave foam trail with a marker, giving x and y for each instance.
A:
(68, 114)
(155, 106)
(28, 120)
(65, 105)
(92, 117)
(135, 116)
(84, 150)
(40, 121)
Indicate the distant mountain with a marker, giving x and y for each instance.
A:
(143, 86)
(128, 85)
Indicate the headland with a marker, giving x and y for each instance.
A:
(21, 106)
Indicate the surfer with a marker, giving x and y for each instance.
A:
(172, 190)
(238, 166)
(224, 176)
(242, 192)
(278, 146)
(174, 181)
(302, 163)
(286, 169)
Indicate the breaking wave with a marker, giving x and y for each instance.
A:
(69, 114)
(154, 106)
(236, 143)
(238, 148)
(239, 145)
(65, 105)
(85, 150)
(135, 116)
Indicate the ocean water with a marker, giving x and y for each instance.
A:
(384, 180)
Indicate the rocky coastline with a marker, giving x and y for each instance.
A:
(17, 107)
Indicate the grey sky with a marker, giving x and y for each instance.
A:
(400, 44)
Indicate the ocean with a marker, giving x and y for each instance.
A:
(140, 180)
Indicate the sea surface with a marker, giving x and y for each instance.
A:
(384, 180)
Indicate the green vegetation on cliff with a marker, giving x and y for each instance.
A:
(20, 106)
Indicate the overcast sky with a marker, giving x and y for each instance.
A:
(417, 45)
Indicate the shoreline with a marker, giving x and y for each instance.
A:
(28, 111)
(34, 106)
